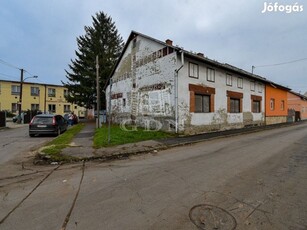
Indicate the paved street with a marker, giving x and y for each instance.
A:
(251, 181)
(15, 142)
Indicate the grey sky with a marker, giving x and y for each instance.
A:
(40, 36)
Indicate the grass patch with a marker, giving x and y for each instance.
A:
(53, 148)
(119, 136)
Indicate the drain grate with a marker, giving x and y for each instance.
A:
(206, 216)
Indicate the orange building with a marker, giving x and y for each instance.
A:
(276, 106)
(298, 103)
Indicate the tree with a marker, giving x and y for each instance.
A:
(102, 39)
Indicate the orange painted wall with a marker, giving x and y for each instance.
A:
(298, 104)
(278, 95)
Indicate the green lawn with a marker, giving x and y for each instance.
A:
(120, 136)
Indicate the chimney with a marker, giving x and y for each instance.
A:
(169, 42)
(200, 54)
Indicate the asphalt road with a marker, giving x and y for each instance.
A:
(15, 142)
(251, 181)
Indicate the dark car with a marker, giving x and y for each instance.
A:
(47, 124)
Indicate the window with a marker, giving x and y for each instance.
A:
(282, 105)
(34, 106)
(210, 74)
(34, 91)
(234, 105)
(51, 92)
(51, 108)
(256, 107)
(228, 79)
(272, 104)
(202, 103)
(66, 108)
(14, 107)
(15, 89)
(65, 92)
(193, 70)
(240, 82)
(260, 88)
(253, 86)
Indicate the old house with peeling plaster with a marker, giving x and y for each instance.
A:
(156, 84)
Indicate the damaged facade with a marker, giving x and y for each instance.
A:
(158, 85)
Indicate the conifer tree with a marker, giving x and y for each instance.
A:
(102, 39)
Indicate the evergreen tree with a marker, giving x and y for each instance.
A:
(102, 39)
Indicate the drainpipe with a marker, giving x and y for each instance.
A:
(176, 89)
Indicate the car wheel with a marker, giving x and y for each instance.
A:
(59, 131)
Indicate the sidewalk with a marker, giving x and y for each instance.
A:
(81, 146)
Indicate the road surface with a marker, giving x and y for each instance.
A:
(251, 181)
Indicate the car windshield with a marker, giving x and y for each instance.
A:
(42, 120)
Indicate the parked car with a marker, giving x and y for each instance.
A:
(71, 118)
(47, 124)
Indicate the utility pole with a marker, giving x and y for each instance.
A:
(20, 95)
(98, 92)
(110, 112)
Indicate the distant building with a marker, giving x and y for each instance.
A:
(47, 98)
(155, 83)
(298, 103)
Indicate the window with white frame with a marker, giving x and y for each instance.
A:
(15, 89)
(65, 92)
(253, 85)
(66, 108)
(260, 88)
(14, 107)
(272, 104)
(34, 106)
(210, 74)
(240, 82)
(52, 108)
(34, 91)
(51, 92)
(228, 79)
(193, 70)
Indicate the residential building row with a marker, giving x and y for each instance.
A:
(46, 98)
(155, 83)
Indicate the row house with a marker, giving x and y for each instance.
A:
(298, 104)
(158, 85)
(47, 98)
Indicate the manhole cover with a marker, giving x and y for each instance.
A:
(207, 217)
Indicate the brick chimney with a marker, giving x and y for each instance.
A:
(169, 42)
(200, 54)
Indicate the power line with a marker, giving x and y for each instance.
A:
(9, 65)
(282, 63)
(8, 76)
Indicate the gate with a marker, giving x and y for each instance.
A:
(2, 118)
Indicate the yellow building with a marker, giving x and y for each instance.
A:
(44, 97)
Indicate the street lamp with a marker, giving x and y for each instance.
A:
(20, 93)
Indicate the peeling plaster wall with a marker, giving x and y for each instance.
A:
(144, 79)
(219, 119)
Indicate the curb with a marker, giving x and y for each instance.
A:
(44, 159)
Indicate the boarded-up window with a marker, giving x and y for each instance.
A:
(202, 103)
(234, 105)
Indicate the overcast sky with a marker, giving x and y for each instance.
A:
(40, 36)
